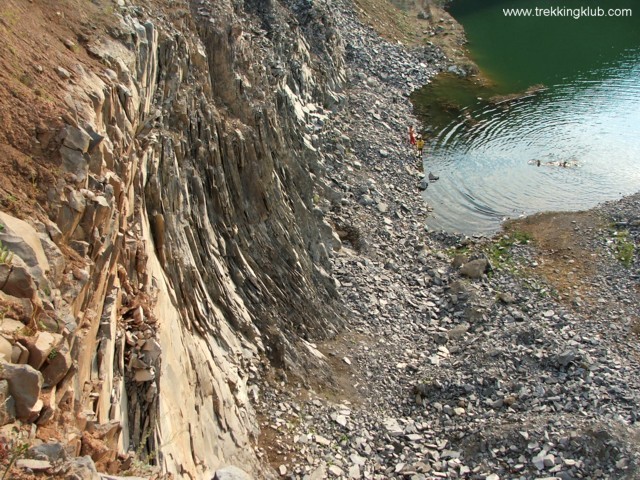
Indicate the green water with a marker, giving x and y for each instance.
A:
(588, 115)
(516, 52)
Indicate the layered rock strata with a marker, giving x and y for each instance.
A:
(183, 253)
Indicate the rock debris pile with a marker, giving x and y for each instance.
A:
(457, 364)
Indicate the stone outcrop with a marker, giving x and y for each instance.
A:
(184, 254)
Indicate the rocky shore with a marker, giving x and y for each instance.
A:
(212, 236)
(511, 357)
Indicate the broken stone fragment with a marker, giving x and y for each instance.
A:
(6, 350)
(82, 468)
(33, 465)
(54, 256)
(23, 240)
(20, 354)
(76, 138)
(9, 326)
(144, 375)
(152, 350)
(52, 451)
(58, 364)
(25, 383)
(75, 162)
(41, 346)
(16, 280)
(62, 73)
(7, 404)
(70, 213)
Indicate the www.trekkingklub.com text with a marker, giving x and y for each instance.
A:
(575, 13)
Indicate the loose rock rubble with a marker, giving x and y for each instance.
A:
(453, 367)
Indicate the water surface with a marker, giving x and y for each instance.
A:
(588, 115)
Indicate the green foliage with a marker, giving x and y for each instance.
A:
(13, 451)
(6, 256)
(625, 248)
(500, 251)
(453, 251)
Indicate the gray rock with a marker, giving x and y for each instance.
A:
(20, 354)
(41, 346)
(82, 468)
(58, 364)
(16, 280)
(62, 73)
(33, 465)
(76, 139)
(53, 452)
(70, 213)
(475, 269)
(335, 470)
(9, 326)
(24, 386)
(75, 162)
(231, 473)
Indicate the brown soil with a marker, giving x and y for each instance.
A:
(397, 20)
(563, 243)
(32, 95)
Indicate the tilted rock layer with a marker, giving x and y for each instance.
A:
(182, 248)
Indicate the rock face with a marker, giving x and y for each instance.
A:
(184, 246)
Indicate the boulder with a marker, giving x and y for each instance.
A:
(16, 279)
(57, 366)
(75, 162)
(475, 269)
(23, 240)
(152, 350)
(82, 468)
(70, 213)
(54, 257)
(53, 452)
(144, 375)
(41, 347)
(231, 473)
(25, 383)
(76, 138)
(6, 350)
(9, 326)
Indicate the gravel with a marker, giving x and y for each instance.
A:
(439, 375)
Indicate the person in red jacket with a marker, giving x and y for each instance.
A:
(412, 136)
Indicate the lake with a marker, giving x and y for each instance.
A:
(485, 148)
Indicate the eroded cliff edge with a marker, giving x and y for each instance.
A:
(176, 251)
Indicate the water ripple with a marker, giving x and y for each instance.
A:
(486, 159)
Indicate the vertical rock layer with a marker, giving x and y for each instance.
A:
(185, 248)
